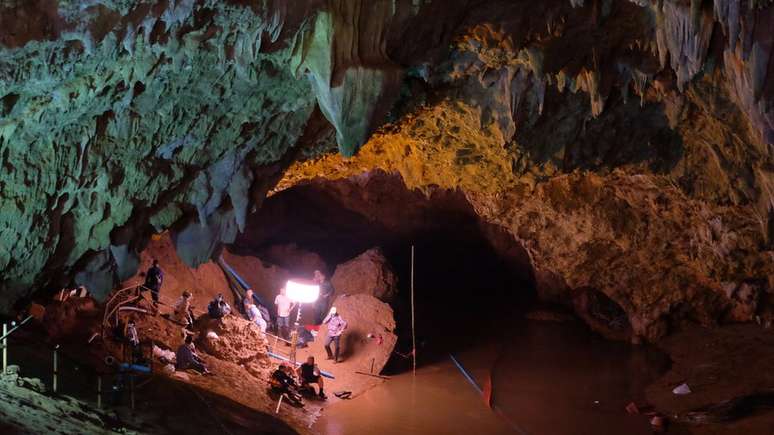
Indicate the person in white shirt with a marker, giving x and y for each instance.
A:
(254, 315)
(284, 307)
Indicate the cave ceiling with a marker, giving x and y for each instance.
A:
(627, 145)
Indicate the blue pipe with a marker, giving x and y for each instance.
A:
(466, 374)
(322, 372)
(233, 273)
(135, 367)
(239, 279)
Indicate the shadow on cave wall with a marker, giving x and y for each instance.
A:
(625, 134)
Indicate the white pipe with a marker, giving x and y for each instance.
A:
(141, 310)
(413, 327)
(55, 368)
(279, 403)
(5, 348)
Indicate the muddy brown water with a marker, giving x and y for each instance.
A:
(549, 379)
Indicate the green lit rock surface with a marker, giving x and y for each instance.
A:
(123, 118)
(166, 112)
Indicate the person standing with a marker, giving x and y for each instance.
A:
(336, 326)
(154, 277)
(324, 300)
(284, 307)
(134, 341)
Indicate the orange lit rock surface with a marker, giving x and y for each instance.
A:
(368, 273)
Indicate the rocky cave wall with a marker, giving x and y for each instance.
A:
(627, 145)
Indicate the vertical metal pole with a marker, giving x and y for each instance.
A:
(131, 390)
(56, 368)
(5, 348)
(413, 322)
(99, 392)
(294, 337)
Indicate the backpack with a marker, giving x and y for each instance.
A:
(214, 311)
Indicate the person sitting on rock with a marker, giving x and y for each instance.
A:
(154, 277)
(183, 313)
(309, 374)
(254, 315)
(249, 299)
(218, 308)
(187, 358)
(282, 380)
(336, 326)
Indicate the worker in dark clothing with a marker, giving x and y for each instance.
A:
(326, 294)
(218, 307)
(134, 342)
(187, 358)
(282, 382)
(309, 374)
(154, 277)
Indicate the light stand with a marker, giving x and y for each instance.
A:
(301, 292)
(294, 336)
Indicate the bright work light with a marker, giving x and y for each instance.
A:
(302, 292)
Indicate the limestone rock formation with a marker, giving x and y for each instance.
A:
(122, 118)
(368, 273)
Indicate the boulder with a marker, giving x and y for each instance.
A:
(370, 337)
(368, 273)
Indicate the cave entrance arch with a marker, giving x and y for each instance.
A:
(470, 275)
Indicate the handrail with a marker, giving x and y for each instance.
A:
(16, 327)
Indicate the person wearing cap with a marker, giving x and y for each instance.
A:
(336, 326)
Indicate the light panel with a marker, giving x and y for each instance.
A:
(302, 292)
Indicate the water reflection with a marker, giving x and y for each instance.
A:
(549, 379)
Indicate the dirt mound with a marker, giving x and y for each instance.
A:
(204, 282)
(368, 273)
(232, 339)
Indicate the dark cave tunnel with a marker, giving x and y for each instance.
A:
(469, 276)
